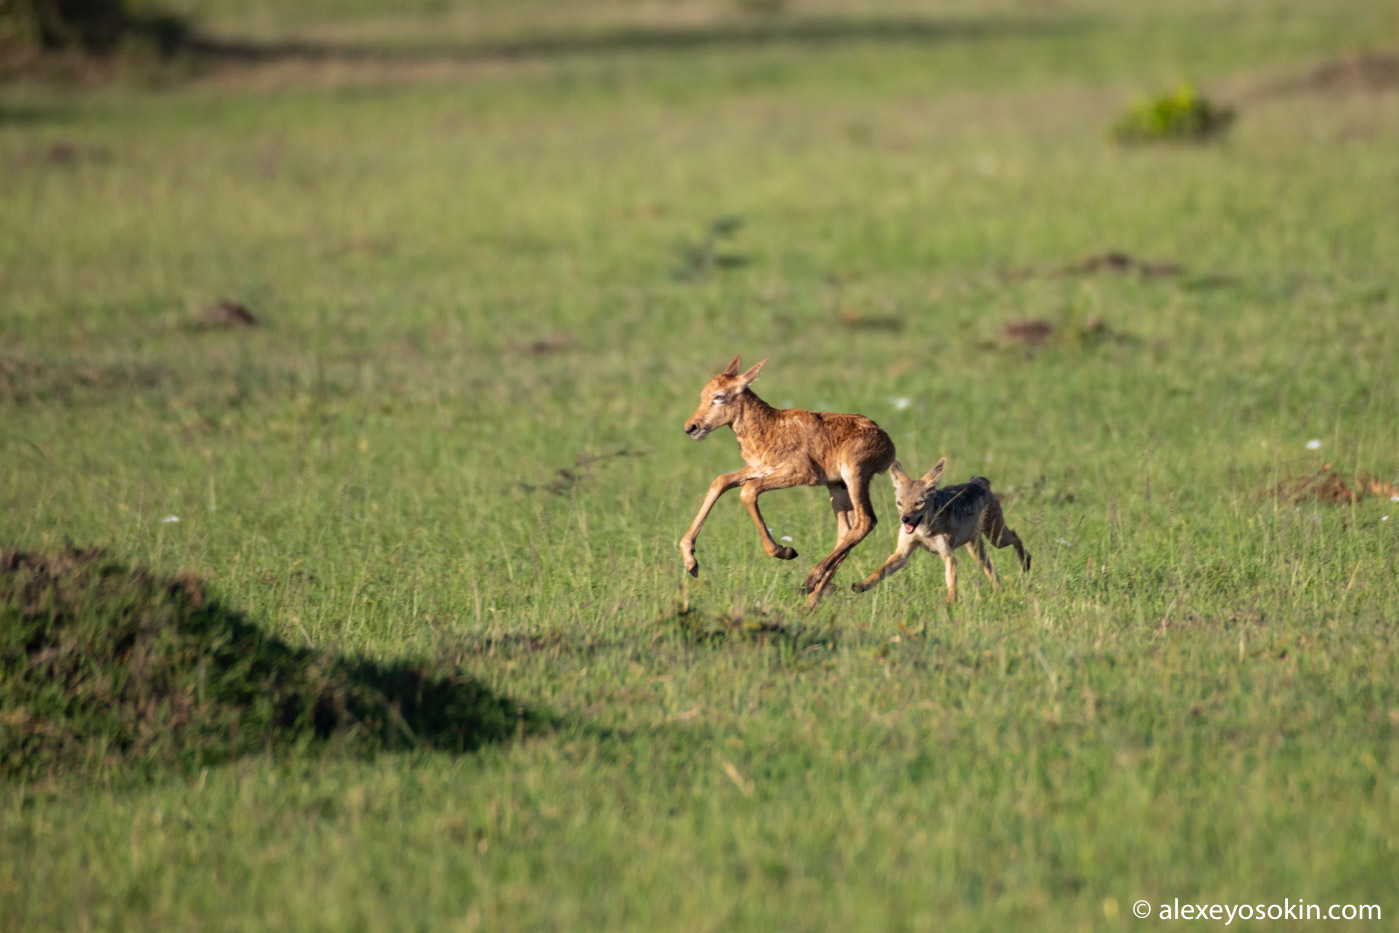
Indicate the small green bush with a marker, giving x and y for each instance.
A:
(103, 666)
(92, 27)
(1183, 115)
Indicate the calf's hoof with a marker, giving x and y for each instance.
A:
(784, 553)
(858, 587)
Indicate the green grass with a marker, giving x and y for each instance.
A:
(1195, 694)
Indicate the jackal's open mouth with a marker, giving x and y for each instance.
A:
(910, 527)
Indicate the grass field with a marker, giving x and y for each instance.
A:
(480, 240)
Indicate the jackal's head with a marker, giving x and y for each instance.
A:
(914, 497)
(719, 399)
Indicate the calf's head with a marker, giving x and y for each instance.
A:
(719, 400)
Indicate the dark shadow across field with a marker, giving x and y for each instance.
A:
(104, 664)
(814, 32)
(13, 114)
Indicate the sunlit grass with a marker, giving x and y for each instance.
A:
(468, 283)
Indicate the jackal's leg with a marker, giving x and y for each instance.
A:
(907, 544)
(1001, 536)
(721, 485)
(941, 545)
(978, 552)
(950, 565)
(857, 487)
(751, 491)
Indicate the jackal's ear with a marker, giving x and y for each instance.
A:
(750, 375)
(932, 475)
(733, 367)
(897, 474)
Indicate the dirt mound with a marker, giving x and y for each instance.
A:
(102, 664)
(26, 381)
(1122, 262)
(1367, 72)
(225, 314)
(1111, 261)
(1037, 332)
(1327, 485)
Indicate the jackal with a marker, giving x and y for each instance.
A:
(943, 520)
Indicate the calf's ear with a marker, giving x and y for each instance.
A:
(733, 367)
(750, 375)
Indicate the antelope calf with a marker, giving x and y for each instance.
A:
(943, 520)
(784, 447)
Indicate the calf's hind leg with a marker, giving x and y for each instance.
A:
(857, 487)
(843, 508)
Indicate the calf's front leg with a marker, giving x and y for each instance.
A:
(751, 491)
(721, 485)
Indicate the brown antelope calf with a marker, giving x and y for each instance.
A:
(785, 447)
(943, 520)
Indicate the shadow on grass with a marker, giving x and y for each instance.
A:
(104, 665)
(12, 114)
(815, 32)
(707, 628)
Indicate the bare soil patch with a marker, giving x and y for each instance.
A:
(1037, 333)
(1329, 486)
(1112, 261)
(225, 315)
(1366, 72)
(28, 381)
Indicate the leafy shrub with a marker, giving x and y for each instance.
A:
(104, 665)
(92, 26)
(1180, 116)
